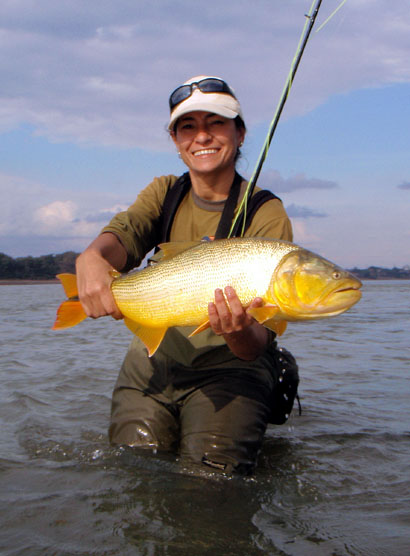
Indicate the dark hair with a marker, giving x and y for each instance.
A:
(240, 124)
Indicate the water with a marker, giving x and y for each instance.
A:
(334, 481)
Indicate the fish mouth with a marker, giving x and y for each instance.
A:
(348, 289)
(339, 300)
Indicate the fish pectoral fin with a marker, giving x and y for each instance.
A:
(200, 328)
(262, 314)
(69, 283)
(278, 326)
(268, 316)
(69, 314)
(151, 337)
(173, 248)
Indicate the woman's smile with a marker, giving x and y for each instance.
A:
(203, 152)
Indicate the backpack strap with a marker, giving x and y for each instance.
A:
(228, 212)
(173, 199)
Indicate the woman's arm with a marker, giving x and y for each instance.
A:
(93, 268)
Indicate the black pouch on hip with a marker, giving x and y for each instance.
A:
(286, 387)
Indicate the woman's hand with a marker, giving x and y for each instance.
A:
(245, 337)
(94, 276)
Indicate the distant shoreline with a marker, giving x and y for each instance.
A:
(23, 282)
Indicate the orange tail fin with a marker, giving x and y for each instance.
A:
(69, 283)
(70, 312)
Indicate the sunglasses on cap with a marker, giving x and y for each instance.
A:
(208, 85)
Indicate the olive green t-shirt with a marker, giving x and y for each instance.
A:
(139, 231)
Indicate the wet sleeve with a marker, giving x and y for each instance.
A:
(139, 228)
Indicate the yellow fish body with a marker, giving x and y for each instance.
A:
(294, 284)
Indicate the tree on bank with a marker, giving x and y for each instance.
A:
(36, 268)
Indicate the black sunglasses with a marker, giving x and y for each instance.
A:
(208, 85)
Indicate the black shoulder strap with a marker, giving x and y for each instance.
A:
(225, 221)
(172, 200)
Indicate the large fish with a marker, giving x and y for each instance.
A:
(294, 284)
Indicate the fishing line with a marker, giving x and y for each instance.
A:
(310, 20)
(330, 16)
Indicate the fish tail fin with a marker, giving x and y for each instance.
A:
(69, 283)
(70, 312)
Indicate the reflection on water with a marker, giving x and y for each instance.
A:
(332, 481)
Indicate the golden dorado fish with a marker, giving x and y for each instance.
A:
(293, 283)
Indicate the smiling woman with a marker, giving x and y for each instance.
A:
(209, 396)
(207, 127)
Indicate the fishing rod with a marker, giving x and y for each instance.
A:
(307, 29)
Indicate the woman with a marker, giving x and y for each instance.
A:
(210, 396)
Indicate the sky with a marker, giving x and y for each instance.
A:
(84, 88)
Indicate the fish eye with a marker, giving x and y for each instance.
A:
(336, 275)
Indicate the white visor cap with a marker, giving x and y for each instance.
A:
(222, 104)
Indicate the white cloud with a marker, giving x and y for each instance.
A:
(65, 218)
(273, 180)
(303, 236)
(99, 72)
(54, 215)
(297, 211)
(33, 216)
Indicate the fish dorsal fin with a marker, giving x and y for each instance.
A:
(200, 328)
(173, 248)
(69, 283)
(151, 337)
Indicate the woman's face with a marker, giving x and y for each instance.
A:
(207, 142)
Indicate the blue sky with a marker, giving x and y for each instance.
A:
(84, 89)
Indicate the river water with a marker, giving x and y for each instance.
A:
(333, 481)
